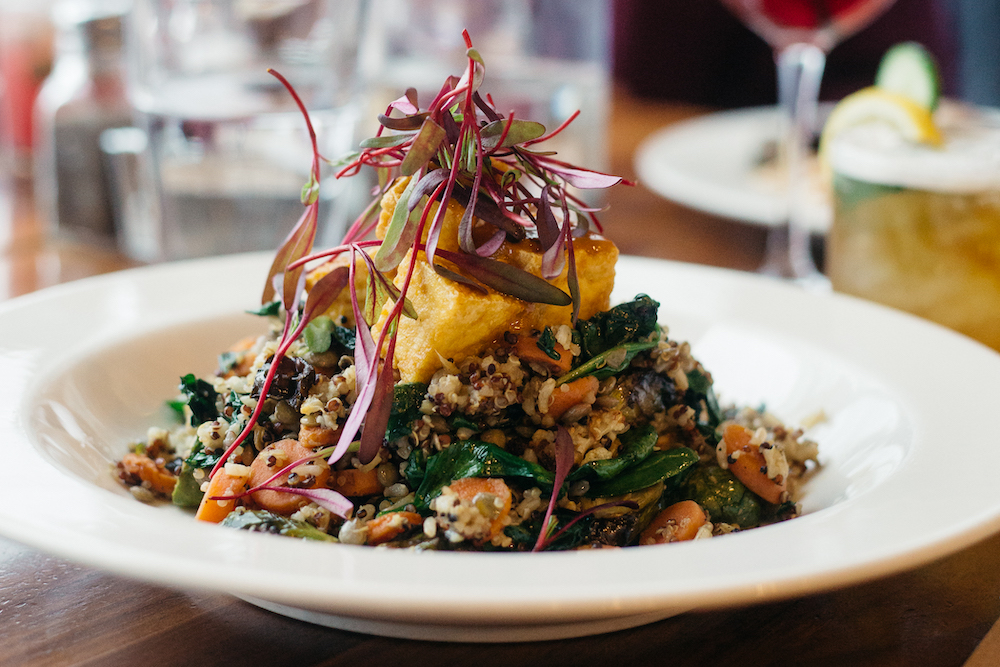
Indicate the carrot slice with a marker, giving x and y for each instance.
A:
(566, 396)
(318, 436)
(355, 483)
(750, 466)
(273, 458)
(242, 367)
(159, 478)
(468, 488)
(221, 484)
(387, 527)
(527, 349)
(677, 523)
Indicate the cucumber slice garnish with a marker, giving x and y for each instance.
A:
(908, 69)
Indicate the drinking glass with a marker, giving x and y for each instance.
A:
(226, 151)
(918, 227)
(801, 32)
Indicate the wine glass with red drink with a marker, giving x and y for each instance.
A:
(801, 32)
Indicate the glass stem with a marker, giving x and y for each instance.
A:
(800, 70)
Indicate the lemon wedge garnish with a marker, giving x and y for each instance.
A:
(875, 105)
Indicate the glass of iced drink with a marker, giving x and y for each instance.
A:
(918, 227)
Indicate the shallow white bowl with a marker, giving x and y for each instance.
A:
(908, 473)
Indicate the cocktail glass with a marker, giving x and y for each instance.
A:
(801, 32)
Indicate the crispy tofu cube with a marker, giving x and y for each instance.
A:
(595, 271)
(455, 321)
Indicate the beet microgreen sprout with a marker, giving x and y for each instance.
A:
(564, 461)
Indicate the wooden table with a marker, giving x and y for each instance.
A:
(54, 612)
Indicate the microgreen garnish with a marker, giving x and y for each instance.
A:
(459, 147)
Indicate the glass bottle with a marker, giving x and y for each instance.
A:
(84, 95)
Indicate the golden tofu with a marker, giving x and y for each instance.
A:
(455, 321)
(595, 272)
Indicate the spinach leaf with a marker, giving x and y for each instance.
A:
(547, 344)
(416, 468)
(200, 458)
(227, 360)
(344, 337)
(637, 445)
(469, 458)
(461, 421)
(525, 535)
(625, 323)
(262, 521)
(607, 363)
(656, 468)
(200, 397)
(406, 400)
(700, 393)
(177, 406)
(723, 496)
(270, 309)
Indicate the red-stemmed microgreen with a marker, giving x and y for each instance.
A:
(554, 537)
(565, 456)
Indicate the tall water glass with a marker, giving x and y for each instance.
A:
(226, 151)
(801, 32)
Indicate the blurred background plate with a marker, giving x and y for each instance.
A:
(725, 164)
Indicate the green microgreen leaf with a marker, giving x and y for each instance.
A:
(424, 147)
(520, 131)
(310, 191)
(380, 289)
(399, 235)
(478, 69)
(387, 140)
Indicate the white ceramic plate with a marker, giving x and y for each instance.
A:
(909, 471)
(712, 163)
